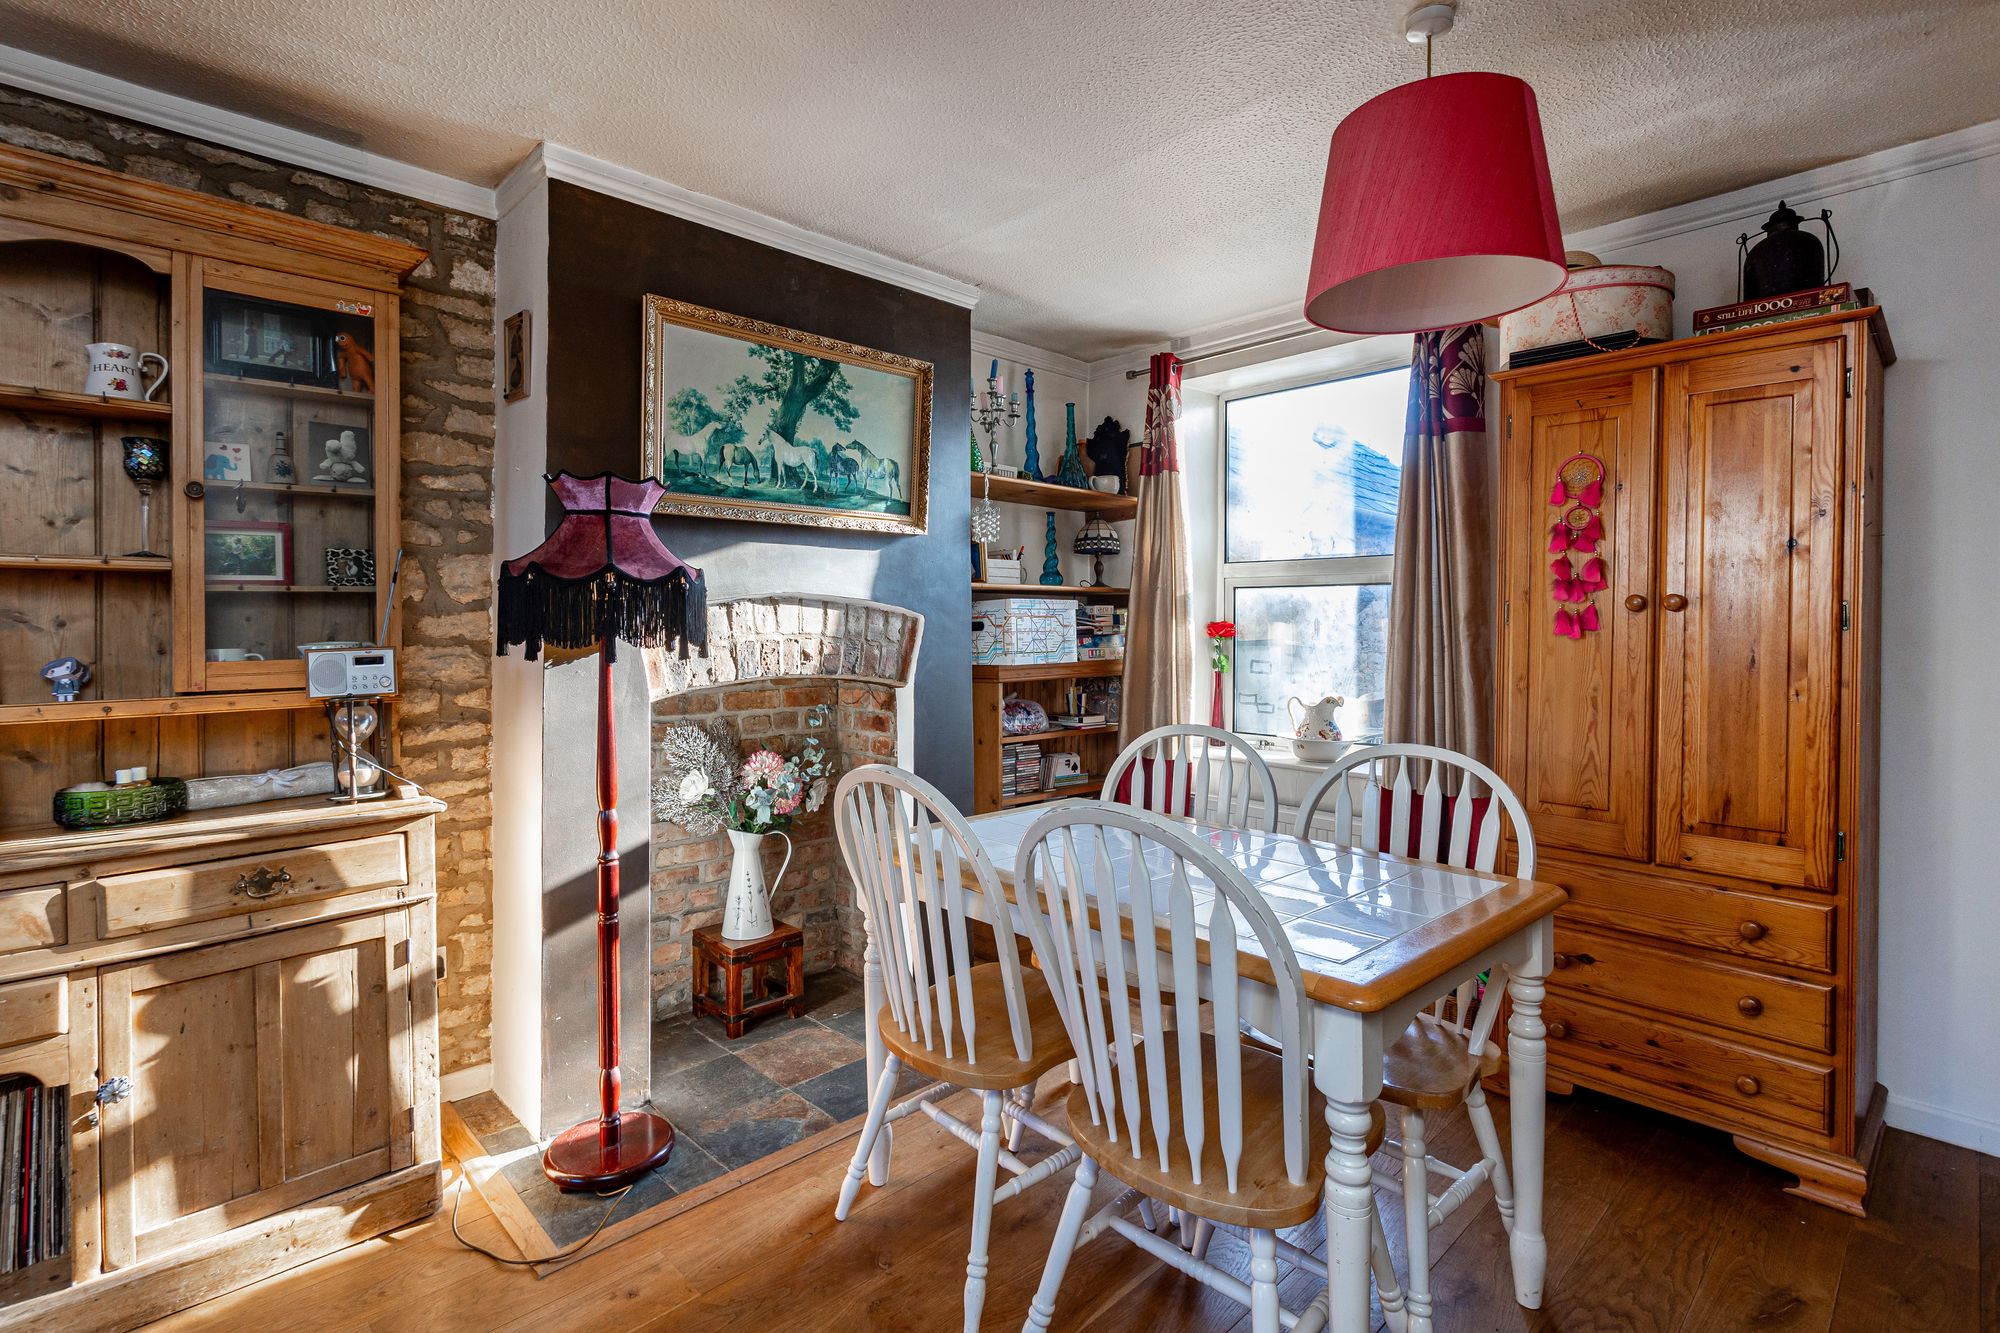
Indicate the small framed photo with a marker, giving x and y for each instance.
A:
(246, 552)
(226, 460)
(514, 357)
(349, 567)
(343, 455)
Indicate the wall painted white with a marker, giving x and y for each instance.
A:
(1920, 225)
(1928, 243)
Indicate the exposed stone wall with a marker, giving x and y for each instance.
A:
(447, 476)
(690, 870)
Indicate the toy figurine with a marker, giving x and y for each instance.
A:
(354, 362)
(66, 676)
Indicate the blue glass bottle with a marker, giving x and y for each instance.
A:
(1031, 463)
(1051, 566)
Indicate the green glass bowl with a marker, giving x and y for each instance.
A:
(121, 805)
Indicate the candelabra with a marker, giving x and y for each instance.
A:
(992, 409)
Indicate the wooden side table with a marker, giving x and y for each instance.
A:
(758, 976)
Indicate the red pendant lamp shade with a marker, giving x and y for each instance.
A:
(1437, 209)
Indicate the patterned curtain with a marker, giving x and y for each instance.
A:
(1441, 600)
(1159, 652)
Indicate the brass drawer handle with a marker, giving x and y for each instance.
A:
(1750, 930)
(263, 882)
(1558, 1030)
(1748, 1086)
(1750, 1006)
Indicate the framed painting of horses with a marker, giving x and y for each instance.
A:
(755, 421)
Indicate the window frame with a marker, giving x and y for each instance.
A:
(1324, 571)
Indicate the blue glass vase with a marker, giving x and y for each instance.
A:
(1051, 567)
(1031, 462)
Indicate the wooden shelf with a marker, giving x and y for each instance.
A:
(1049, 495)
(1081, 789)
(1047, 589)
(1114, 666)
(26, 399)
(122, 564)
(284, 390)
(1060, 733)
(297, 487)
(181, 705)
(368, 588)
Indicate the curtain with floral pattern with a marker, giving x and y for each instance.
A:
(1442, 595)
(1159, 645)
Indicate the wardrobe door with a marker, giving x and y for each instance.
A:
(1578, 710)
(1750, 614)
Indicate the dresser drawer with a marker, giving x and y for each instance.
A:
(1755, 1003)
(32, 1010)
(1748, 925)
(1665, 1065)
(32, 918)
(151, 899)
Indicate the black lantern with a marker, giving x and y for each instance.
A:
(1788, 259)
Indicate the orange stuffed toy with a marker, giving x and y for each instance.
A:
(354, 362)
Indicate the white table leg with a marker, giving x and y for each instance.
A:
(1527, 1083)
(1349, 1185)
(871, 1003)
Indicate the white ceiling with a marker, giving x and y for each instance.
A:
(1109, 171)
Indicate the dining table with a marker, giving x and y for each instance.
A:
(1379, 937)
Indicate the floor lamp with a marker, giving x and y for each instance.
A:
(603, 576)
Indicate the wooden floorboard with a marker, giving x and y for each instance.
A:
(1652, 1224)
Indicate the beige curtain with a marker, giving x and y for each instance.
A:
(1441, 600)
(1159, 652)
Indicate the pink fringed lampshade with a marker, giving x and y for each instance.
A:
(602, 575)
(1437, 209)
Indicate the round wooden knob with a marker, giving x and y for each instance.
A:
(1748, 1086)
(1558, 1030)
(1562, 960)
(1750, 1006)
(1673, 601)
(1750, 930)
(1636, 602)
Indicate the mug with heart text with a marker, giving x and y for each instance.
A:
(118, 371)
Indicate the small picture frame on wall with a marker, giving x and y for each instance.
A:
(350, 567)
(247, 552)
(514, 357)
(342, 455)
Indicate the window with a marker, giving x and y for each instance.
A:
(1311, 476)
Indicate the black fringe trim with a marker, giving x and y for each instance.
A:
(537, 608)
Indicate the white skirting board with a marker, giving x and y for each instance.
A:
(1943, 1124)
(463, 1083)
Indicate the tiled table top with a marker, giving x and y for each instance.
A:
(1367, 926)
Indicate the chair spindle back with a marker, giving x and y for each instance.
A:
(1189, 771)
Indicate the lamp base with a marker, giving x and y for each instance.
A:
(576, 1161)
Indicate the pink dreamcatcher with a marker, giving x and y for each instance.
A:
(1578, 535)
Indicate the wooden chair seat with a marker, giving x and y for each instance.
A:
(1265, 1198)
(998, 1067)
(1432, 1064)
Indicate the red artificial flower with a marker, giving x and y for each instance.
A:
(1221, 629)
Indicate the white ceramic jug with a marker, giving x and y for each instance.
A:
(118, 371)
(1316, 735)
(746, 910)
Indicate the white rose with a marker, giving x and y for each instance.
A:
(695, 787)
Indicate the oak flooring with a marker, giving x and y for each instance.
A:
(1655, 1224)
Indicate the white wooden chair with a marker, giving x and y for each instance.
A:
(1456, 815)
(1190, 771)
(1205, 1124)
(990, 1027)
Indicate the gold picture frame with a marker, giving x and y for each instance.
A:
(732, 409)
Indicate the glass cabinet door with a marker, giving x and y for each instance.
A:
(298, 480)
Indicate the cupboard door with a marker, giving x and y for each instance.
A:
(265, 1073)
(1750, 593)
(1578, 727)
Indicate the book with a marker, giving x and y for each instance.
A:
(1736, 312)
(1786, 317)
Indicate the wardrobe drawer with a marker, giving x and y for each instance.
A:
(150, 899)
(1748, 925)
(1665, 1065)
(1755, 1003)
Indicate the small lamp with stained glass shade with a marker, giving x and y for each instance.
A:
(1096, 539)
(602, 576)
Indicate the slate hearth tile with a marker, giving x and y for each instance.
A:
(509, 1138)
(755, 1032)
(483, 1113)
(807, 1052)
(710, 1093)
(679, 1043)
(829, 993)
(843, 1093)
(689, 1166)
(852, 1024)
(760, 1129)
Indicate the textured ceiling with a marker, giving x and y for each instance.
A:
(1110, 172)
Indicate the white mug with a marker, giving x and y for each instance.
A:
(233, 655)
(116, 371)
